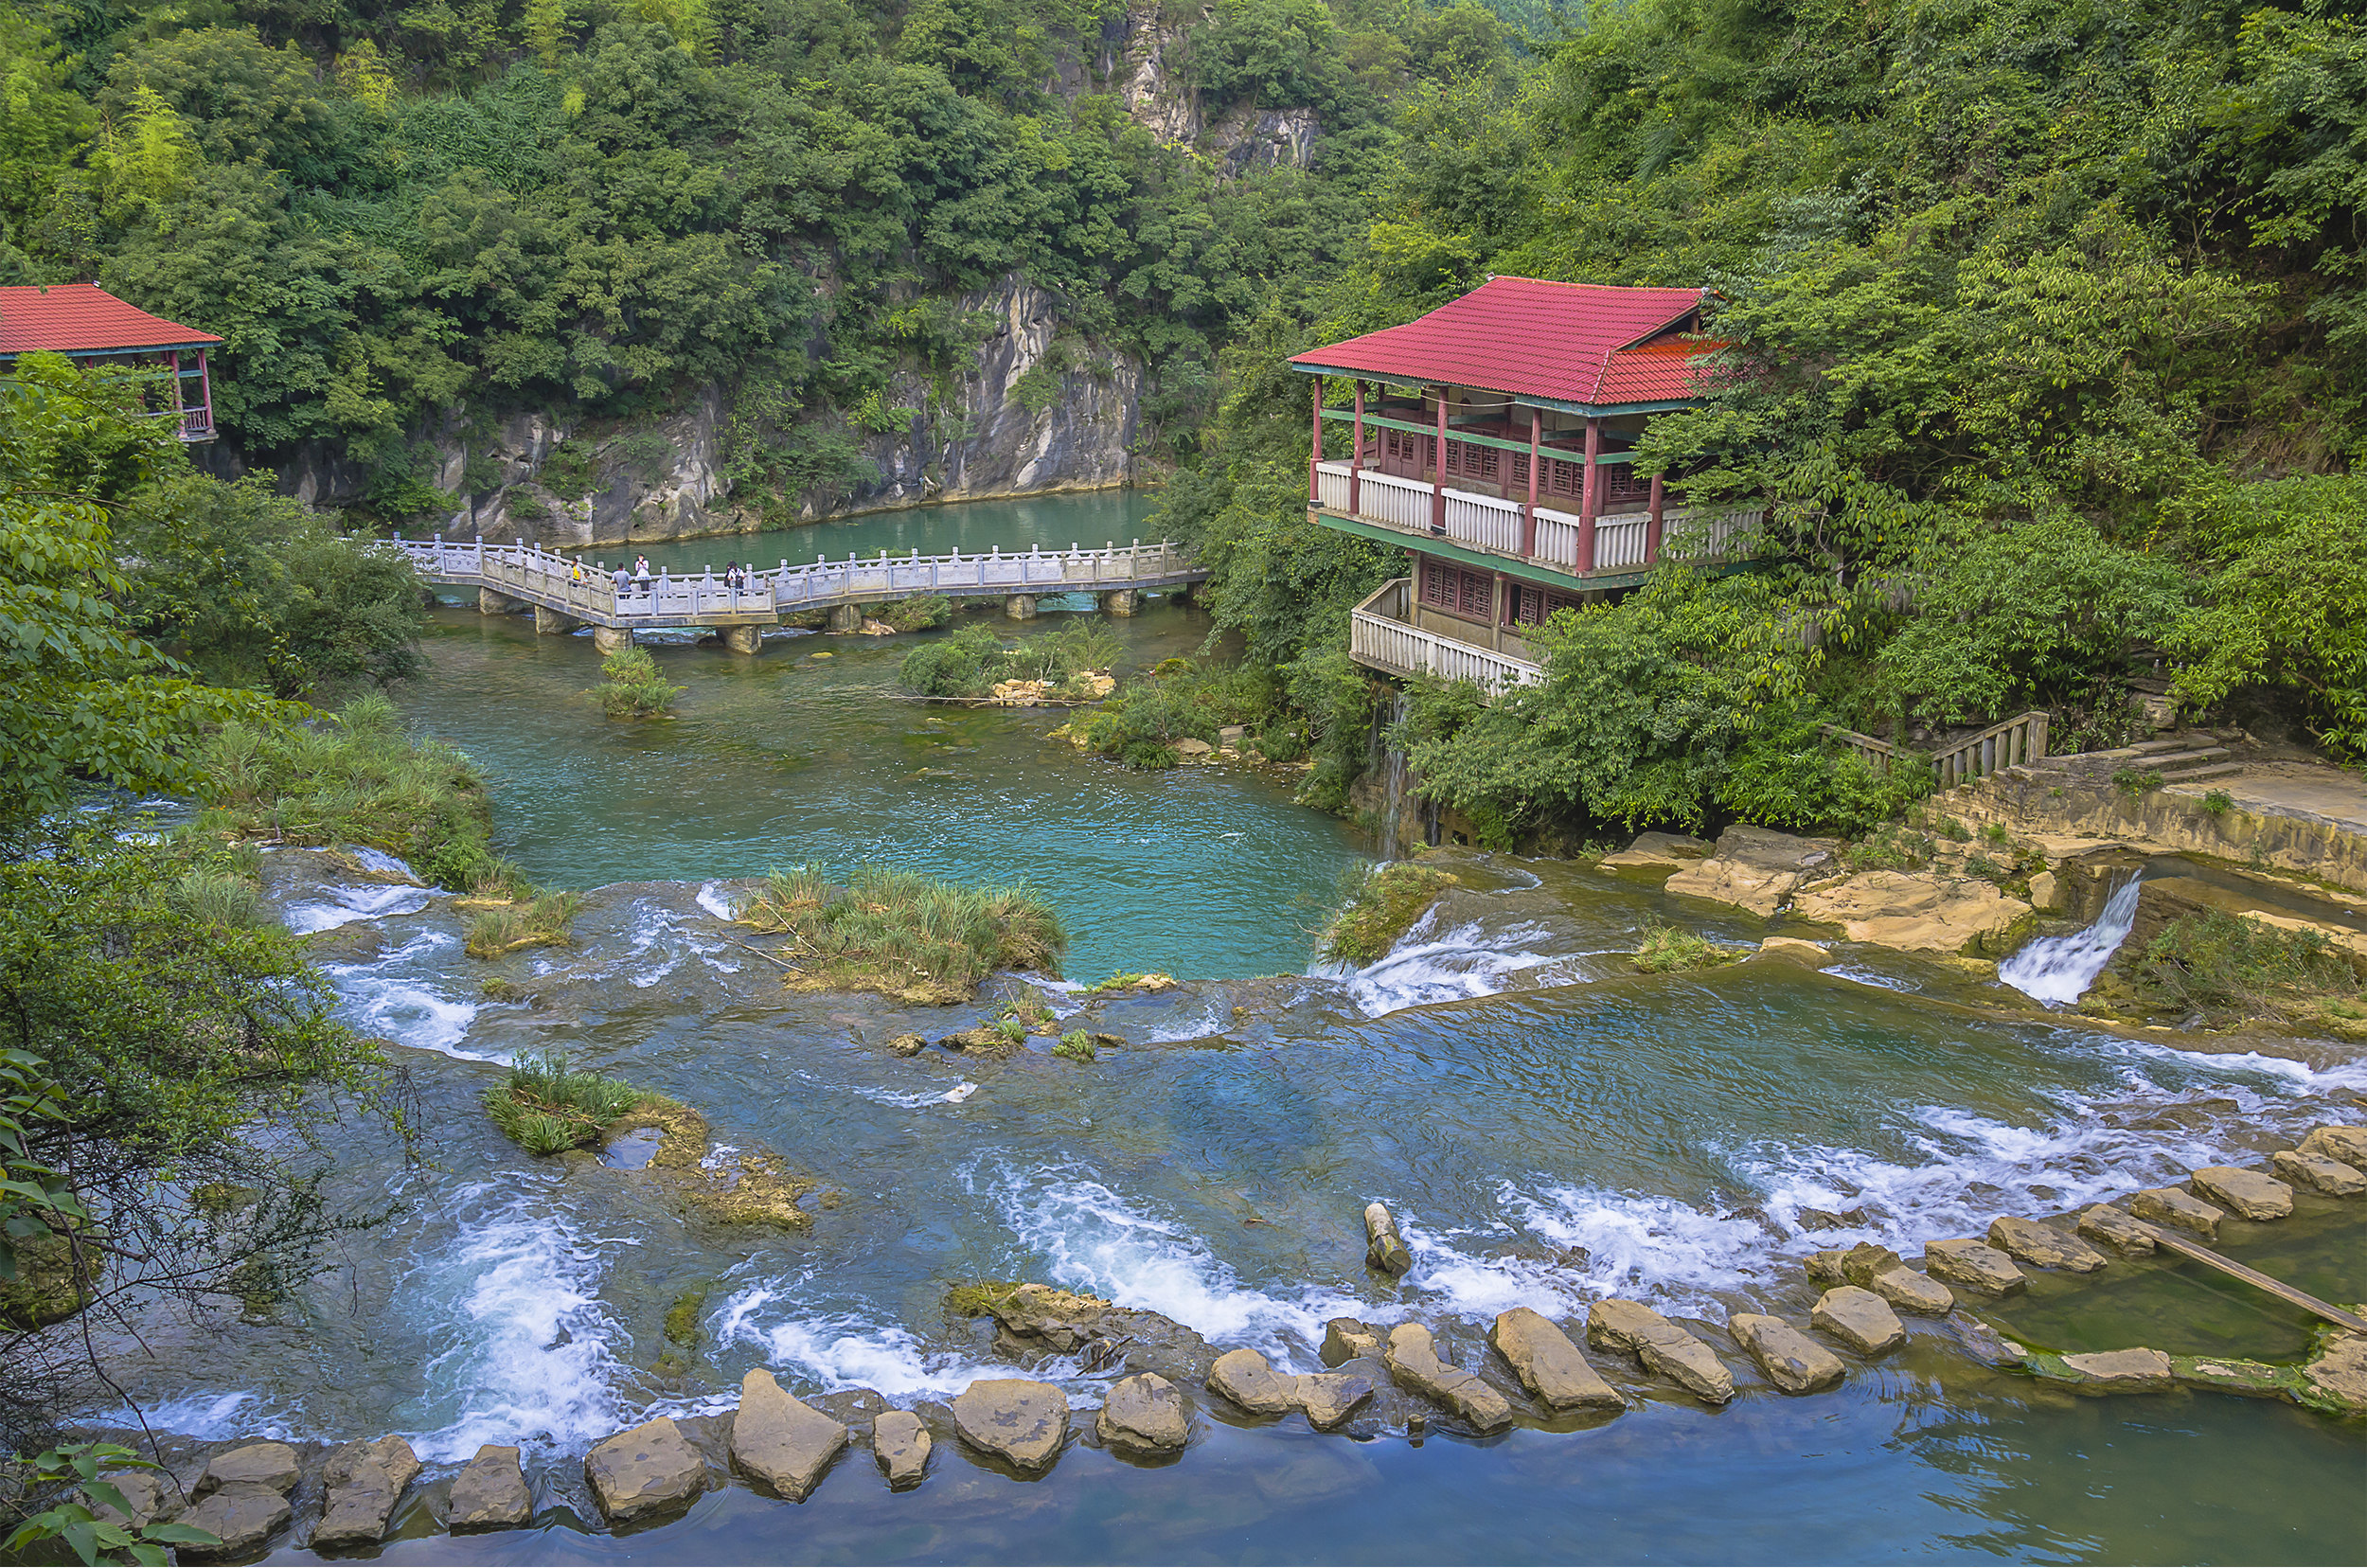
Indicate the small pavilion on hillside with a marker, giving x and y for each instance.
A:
(1494, 438)
(92, 327)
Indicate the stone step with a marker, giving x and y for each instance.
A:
(2181, 760)
(2196, 775)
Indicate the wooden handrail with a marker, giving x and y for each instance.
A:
(2009, 744)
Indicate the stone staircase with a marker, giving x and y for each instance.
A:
(2188, 757)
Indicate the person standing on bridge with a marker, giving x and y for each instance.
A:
(623, 580)
(641, 573)
(575, 573)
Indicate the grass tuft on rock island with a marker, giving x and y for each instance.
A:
(1387, 902)
(506, 927)
(547, 1107)
(1672, 950)
(904, 934)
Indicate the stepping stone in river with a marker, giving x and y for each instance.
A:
(1860, 1319)
(2331, 1177)
(489, 1493)
(2103, 1222)
(1413, 1360)
(271, 1465)
(649, 1469)
(366, 1481)
(1331, 1397)
(1145, 1414)
(143, 1492)
(2043, 1246)
(2247, 1194)
(1660, 1346)
(901, 1443)
(1384, 1249)
(1975, 1264)
(781, 1440)
(1243, 1377)
(2179, 1207)
(1548, 1365)
(1346, 1339)
(1792, 1361)
(2134, 1371)
(244, 1514)
(1881, 1270)
(1016, 1419)
(2346, 1144)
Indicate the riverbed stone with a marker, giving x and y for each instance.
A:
(1984, 1343)
(244, 1514)
(780, 1439)
(2331, 1177)
(490, 1492)
(1243, 1377)
(2247, 1194)
(645, 1471)
(2334, 1142)
(1662, 1347)
(1654, 850)
(1347, 1339)
(1330, 1398)
(908, 1044)
(1792, 1361)
(1548, 1364)
(1858, 1318)
(2043, 1246)
(2103, 1222)
(144, 1492)
(1384, 1249)
(2335, 1380)
(2133, 1371)
(366, 1481)
(899, 1441)
(1413, 1360)
(1824, 1267)
(1974, 1264)
(271, 1465)
(1016, 1419)
(2176, 1206)
(1146, 1414)
(1881, 1270)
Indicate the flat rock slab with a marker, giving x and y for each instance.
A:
(649, 1469)
(901, 1443)
(1975, 1265)
(366, 1481)
(2103, 1222)
(1016, 1419)
(2336, 1377)
(1916, 910)
(1792, 1361)
(2135, 1371)
(244, 1515)
(2245, 1194)
(2331, 1177)
(1243, 1377)
(2043, 1246)
(2346, 1144)
(1662, 1347)
(1548, 1365)
(1413, 1360)
(491, 1494)
(271, 1466)
(1860, 1319)
(2180, 1208)
(780, 1439)
(1330, 1398)
(1384, 1249)
(1145, 1413)
(1881, 1270)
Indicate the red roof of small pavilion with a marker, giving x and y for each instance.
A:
(1571, 343)
(79, 318)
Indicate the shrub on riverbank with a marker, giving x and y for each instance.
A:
(1382, 908)
(547, 1107)
(1182, 700)
(631, 686)
(972, 661)
(543, 923)
(2224, 967)
(1673, 949)
(356, 779)
(911, 614)
(904, 934)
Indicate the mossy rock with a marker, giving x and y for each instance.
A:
(752, 1189)
(48, 1288)
(682, 1132)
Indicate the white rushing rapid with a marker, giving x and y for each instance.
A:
(2056, 970)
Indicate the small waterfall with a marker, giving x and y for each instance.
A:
(2056, 970)
(1393, 799)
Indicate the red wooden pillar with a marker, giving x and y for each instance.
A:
(205, 391)
(1438, 471)
(1651, 530)
(1356, 455)
(1315, 453)
(1528, 508)
(1590, 495)
(180, 423)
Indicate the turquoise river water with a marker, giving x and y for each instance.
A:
(1550, 1127)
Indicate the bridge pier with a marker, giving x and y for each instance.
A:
(1020, 606)
(550, 623)
(490, 603)
(847, 617)
(611, 639)
(1121, 602)
(743, 639)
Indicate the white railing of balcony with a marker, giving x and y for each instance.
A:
(1378, 635)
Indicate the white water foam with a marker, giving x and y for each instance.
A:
(914, 1099)
(2056, 970)
(338, 906)
(852, 1349)
(381, 998)
(1427, 965)
(711, 900)
(382, 863)
(209, 1418)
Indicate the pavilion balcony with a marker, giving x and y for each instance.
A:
(1389, 634)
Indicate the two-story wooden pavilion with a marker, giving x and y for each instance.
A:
(90, 326)
(1493, 437)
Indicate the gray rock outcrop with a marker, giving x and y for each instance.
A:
(901, 1443)
(2178, 1207)
(2043, 1246)
(2330, 1177)
(1662, 1347)
(1792, 1361)
(2103, 1222)
(646, 1471)
(491, 1494)
(1015, 1419)
(2134, 1371)
(1413, 1360)
(1975, 1265)
(1755, 868)
(1858, 1318)
(2245, 1194)
(1145, 1414)
(1243, 1377)
(781, 1440)
(1384, 1249)
(1548, 1364)
(2345, 1143)
(366, 1481)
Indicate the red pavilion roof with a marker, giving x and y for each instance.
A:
(1572, 343)
(77, 318)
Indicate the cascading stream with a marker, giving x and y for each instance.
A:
(2057, 969)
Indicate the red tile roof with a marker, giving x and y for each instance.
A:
(1576, 343)
(79, 317)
